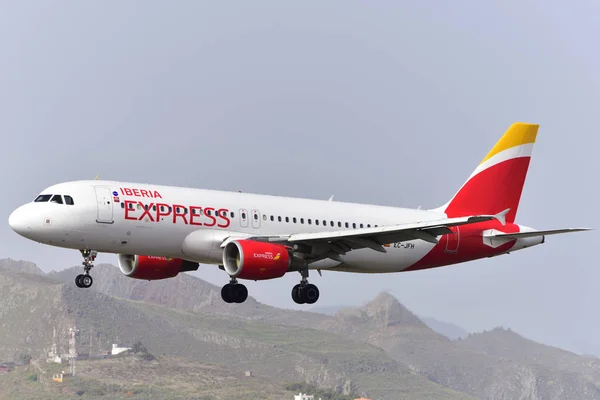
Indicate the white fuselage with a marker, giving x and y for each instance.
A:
(104, 222)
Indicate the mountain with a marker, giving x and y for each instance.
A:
(386, 324)
(31, 306)
(20, 266)
(504, 344)
(381, 350)
(451, 331)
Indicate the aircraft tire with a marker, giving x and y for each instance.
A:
(309, 294)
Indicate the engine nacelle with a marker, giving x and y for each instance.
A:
(249, 259)
(153, 267)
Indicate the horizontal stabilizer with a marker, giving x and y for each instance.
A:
(534, 233)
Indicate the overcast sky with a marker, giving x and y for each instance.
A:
(387, 102)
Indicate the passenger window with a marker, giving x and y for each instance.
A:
(217, 213)
(331, 223)
(301, 220)
(316, 222)
(361, 225)
(309, 221)
(208, 213)
(347, 226)
(42, 198)
(339, 224)
(256, 216)
(279, 218)
(264, 217)
(69, 200)
(122, 205)
(272, 218)
(294, 219)
(368, 225)
(287, 219)
(243, 215)
(232, 215)
(56, 199)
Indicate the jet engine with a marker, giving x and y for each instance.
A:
(153, 267)
(249, 259)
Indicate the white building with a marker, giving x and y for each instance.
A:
(305, 397)
(116, 349)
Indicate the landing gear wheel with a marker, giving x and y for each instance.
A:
(84, 281)
(226, 293)
(309, 293)
(234, 293)
(240, 293)
(296, 294)
(304, 292)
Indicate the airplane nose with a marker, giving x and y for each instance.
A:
(18, 222)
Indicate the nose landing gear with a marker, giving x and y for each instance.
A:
(85, 280)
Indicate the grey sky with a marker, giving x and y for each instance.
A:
(389, 102)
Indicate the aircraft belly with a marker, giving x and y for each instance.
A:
(399, 256)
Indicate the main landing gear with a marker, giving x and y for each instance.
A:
(304, 292)
(85, 280)
(234, 292)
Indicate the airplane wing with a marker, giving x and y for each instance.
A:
(519, 235)
(340, 242)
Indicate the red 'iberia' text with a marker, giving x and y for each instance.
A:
(154, 194)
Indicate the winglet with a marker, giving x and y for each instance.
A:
(501, 216)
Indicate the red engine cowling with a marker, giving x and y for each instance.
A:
(248, 259)
(153, 267)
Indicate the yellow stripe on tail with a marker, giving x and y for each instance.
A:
(517, 134)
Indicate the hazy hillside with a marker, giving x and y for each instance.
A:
(381, 349)
(33, 306)
(20, 266)
(385, 323)
(504, 344)
(185, 292)
(451, 331)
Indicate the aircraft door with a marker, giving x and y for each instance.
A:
(104, 199)
(243, 218)
(255, 219)
(452, 240)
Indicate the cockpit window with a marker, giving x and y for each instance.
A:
(42, 198)
(69, 200)
(57, 198)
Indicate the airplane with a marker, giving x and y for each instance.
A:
(160, 231)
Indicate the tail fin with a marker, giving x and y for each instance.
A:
(497, 182)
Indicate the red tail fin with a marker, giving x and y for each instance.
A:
(497, 183)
